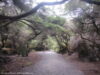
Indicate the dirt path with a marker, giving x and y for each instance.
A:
(51, 64)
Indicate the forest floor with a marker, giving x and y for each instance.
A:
(62, 65)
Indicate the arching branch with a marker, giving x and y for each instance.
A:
(34, 10)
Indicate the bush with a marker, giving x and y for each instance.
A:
(22, 50)
(85, 49)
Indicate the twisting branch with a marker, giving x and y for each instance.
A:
(34, 10)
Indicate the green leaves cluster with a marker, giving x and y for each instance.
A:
(52, 44)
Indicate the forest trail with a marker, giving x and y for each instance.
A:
(51, 63)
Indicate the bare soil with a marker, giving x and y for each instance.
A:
(89, 68)
(18, 62)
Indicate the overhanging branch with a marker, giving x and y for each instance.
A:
(34, 10)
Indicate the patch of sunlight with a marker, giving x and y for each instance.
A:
(50, 52)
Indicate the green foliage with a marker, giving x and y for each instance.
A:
(49, 43)
(21, 24)
(53, 24)
(52, 44)
(24, 22)
(36, 18)
(56, 20)
(34, 43)
(23, 50)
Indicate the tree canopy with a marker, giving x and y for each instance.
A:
(27, 25)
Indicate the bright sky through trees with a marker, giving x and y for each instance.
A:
(57, 9)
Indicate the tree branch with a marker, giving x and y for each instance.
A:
(21, 5)
(92, 1)
(34, 10)
(94, 23)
